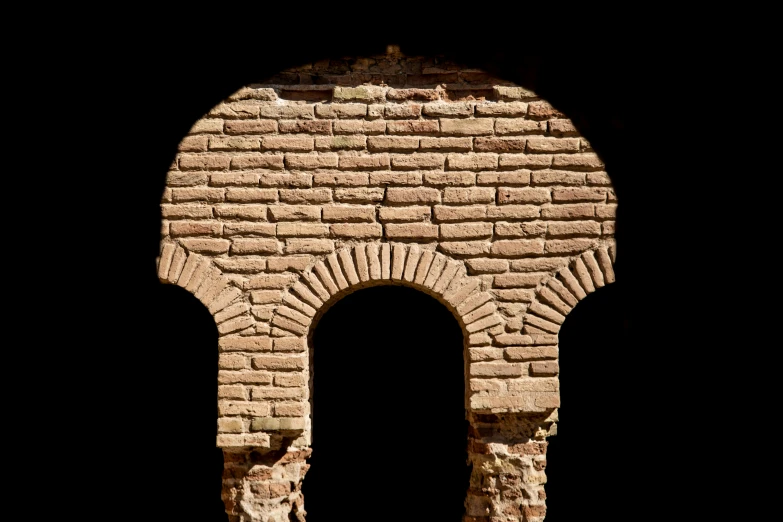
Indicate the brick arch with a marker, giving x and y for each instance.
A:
(371, 264)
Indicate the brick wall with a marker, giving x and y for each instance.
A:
(349, 173)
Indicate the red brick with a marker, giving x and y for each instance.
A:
(357, 231)
(518, 247)
(365, 162)
(204, 162)
(233, 143)
(412, 94)
(402, 111)
(598, 178)
(251, 195)
(254, 246)
(465, 127)
(606, 211)
(305, 196)
(257, 161)
(578, 194)
(411, 231)
(508, 195)
(304, 126)
(412, 127)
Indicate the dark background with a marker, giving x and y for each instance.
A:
(638, 96)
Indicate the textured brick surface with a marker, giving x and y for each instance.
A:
(467, 187)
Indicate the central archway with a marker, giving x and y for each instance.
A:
(388, 409)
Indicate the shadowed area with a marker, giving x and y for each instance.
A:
(589, 435)
(389, 429)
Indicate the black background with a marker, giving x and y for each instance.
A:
(638, 96)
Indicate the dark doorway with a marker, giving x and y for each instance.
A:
(581, 469)
(389, 428)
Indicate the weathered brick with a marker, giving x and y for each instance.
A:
(196, 228)
(505, 93)
(280, 362)
(557, 177)
(243, 377)
(464, 248)
(507, 195)
(310, 161)
(487, 265)
(233, 143)
(206, 245)
(411, 231)
(412, 94)
(573, 228)
(589, 161)
(309, 246)
(254, 246)
(359, 195)
(544, 368)
(282, 264)
(547, 264)
(518, 247)
(466, 230)
(287, 409)
(392, 143)
(294, 213)
(386, 214)
(412, 195)
(241, 265)
(450, 178)
(207, 125)
(251, 126)
(236, 110)
(412, 127)
(303, 126)
(347, 213)
(204, 162)
(305, 196)
(582, 210)
(359, 127)
(294, 229)
(363, 93)
(467, 127)
(341, 143)
(287, 143)
(263, 393)
(444, 213)
(193, 144)
(232, 391)
(518, 280)
(251, 195)
(254, 212)
(341, 110)
(266, 281)
(606, 211)
(289, 380)
(552, 145)
(515, 295)
(186, 179)
(530, 229)
(578, 194)
(266, 296)
(448, 109)
(496, 369)
(598, 178)
(541, 110)
(233, 361)
(569, 246)
(561, 128)
(395, 178)
(402, 111)
(286, 112)
(257, 161)
(254, 93)
(527, 161)
(467, 196)
(223, 179)
(340, 179)
(516, 177)
(507, 110)
(418, 161)
(446, 144)
(365, 162)
(290, 344)
(499, 144)
(514, 127)
(481, 161)
(526, 353)
(357, 231)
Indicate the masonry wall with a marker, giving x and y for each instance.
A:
(386, 170)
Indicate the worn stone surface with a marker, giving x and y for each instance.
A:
(276, 208)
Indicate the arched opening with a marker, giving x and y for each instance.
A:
(389, 428)
(590, 417)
